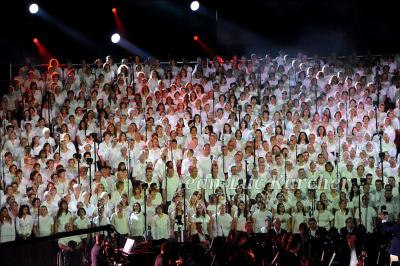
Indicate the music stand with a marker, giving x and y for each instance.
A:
(128, 246)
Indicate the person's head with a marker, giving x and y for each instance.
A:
(23, 210)
(199, 227)
(312, 224)
(280, 208)
(343, 204)
(43, 211)
(268, 222)
(99, 239)
(277, 224)
(4, 212)
(350, 223)
(81, 212)
(136, 207)
(159, 209)
(69, 227)
(365, 200)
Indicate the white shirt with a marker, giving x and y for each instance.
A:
(224, 224)
(63, 220)
(7, 231)
(324, 218)
(368, 216)
(45, 225)
(172, 186)
(136, 224)
(160, 228)
(120, 223)
(25, 225)
(340, 218)
(260, 217)
(82, 224)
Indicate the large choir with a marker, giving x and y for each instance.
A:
(193, 151)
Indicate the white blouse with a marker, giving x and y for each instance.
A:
(160, 227)
(25, 225)
(45, 225)
(136, 224)
(7, 231)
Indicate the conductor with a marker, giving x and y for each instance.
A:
(392, 228)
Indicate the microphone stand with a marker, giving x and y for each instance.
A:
(254, 150)
(378, 90)
(94, 135)
(284, 124)
(3, 181)
(316, 98)
(129, 172)
(213, 102)
(285, 155)
(38, 221)
(359, 205)
(381, 154)
(259, 85)
(216, 214)
(347, 119)
(223, 156)
(78, 158)
(337, 168)
(222, 230)
(312, 203)
(172, 154)
(337, 162)
(240, 111)
(48, 112)
(145, 210)
(246, 185)
(379, 132)
(184, 211)
(59, 141)
(201, 122)
(89, 162)
(99, 118)
(166, 182)
(145, 127)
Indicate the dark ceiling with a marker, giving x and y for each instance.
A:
(165, 28)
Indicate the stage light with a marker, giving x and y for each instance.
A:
(114, 10)
(33, 8)
(35, 40)
(195, 5)
(196, 38)
(115, 38)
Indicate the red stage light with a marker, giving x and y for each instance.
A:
(196, 38)
(114, 10)
(35, 40)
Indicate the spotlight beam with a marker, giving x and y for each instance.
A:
(118, 22)
(44, 54)
(133, 49)
(82, 39)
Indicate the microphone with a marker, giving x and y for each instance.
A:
(379, 132)
(211, 158)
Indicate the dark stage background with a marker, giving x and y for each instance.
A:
(165, 28)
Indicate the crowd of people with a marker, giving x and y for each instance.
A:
(296, 149)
